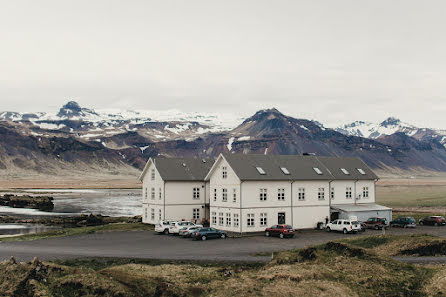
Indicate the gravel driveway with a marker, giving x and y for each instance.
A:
(149, 245)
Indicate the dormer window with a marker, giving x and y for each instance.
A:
(361, 171)
(317, 170)
(345, 171)
(260, 170)
(285, 170)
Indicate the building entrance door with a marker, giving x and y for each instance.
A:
(281, 218)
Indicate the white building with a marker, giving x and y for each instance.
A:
(251, 192)
(175, 189)
(247, 193)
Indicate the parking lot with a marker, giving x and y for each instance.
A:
(149, 245)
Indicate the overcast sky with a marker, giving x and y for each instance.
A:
(333, 61)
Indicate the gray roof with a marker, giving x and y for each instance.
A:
(360, 207)
(299, 167)
(183, 169)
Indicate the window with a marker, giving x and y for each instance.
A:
(228, 219)
(196, 213)
(159, 214)
(285, 170)
(250, 220)
(225, 194)
(361, 171)
(260, 170)
(224, 172)
(153, 174)
(234, 195)
(145, 193)
(236, 220)
(153, 194)
(345, 171)
(263, 194)
(365, 192)
(263, 219)
(220, 219)
(348, 192)
(332, 195)
(318, 171)
(281, 194)
(152, 214)
(301, 194)
(214, 218)
(160, 195)
(321, 194)
(215, 194)
(196, 193)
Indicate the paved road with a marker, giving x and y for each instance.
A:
(148, 245)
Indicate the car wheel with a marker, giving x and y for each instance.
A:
(328, 229)
(345, 231)
(267, 234)
(421, 223)
(436, 224)
(223, 236)
(203, 237)
(166, 231)
(404, 226)
(376, 227)
(281, 235)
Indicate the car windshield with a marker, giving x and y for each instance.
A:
(289, 227)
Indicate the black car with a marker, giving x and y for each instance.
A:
(205, 233)
(405, 222)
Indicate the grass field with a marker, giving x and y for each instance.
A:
(358, 267)
(411, 196)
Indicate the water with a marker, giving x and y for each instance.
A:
(15, 229)
(107, 202)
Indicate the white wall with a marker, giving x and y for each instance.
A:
(340, 190)
(147, 185)
(308, 216)
(231, 183)
(251, 194)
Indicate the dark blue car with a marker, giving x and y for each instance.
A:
(205, 233)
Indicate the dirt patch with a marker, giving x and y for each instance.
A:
(344, 249)
(437, 248)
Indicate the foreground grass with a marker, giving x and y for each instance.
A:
(80, 231)
(350, 268)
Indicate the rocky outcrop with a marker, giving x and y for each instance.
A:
(44, 203)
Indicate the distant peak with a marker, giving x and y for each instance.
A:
(390, 121)
(73, 109)
(72, 105)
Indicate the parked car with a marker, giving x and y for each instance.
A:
(163, 227)
(404, 222)
(280, 230)
(188, 231)
(205, 233)
(345, 226)
(433, 220)
(376, 223)
(175, 227)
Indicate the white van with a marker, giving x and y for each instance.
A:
(345, 226)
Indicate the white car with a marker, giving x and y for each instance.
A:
(163, 227)
(175, 227)
(345, 226)
(186, 231)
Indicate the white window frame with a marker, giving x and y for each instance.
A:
(281, 194)
(365, 192)
(224, 194)
(263, 194)
(220, 219)
(263, 219)
(145, 193)
(301, 194)
(160, 214)
(236, 220)
(224, 172)
(332, 193)
(152, 174)
(234, 195)
(321, 194)
(348, 192)
(215, 194)
(214, 218)
(152, 194)
(152, 214)
(196, 193)
(228, 219)
(160, 194)
(250, 220)
(196, 213)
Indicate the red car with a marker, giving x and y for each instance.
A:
(376, 223)
(433, 220)
(280, 230)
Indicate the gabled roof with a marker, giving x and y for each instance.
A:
(298, 167)
(181, 169)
